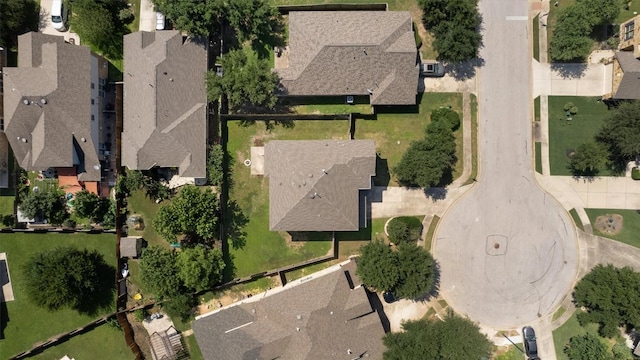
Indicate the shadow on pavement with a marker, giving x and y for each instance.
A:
(464, 70)
(569, 71)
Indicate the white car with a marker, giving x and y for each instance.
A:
(159, 21)
(58, 15)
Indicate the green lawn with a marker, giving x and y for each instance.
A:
(570, 328)
(512, 354)
(536, 37)
(27, 323)
(135, 8)
(108, 339)
(536, 108)
(474, 140)
(565, 136)
(539, 157)
(140, 204)
(628, 14)
(630, 225)
(576, 219)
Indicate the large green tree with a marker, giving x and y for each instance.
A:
(610, 295)
(621, 132)
(455, 338)
(378, 266)
(91, 206)
(158, 271)
(98, 24)
(192, 213)
(49, 205)
(68, 277)
(17, 17)
(589, 158)
(586, 347)
(252, 19)
(200, 268)
(426, 162)
(215, 171)
(417, 271)
(247, 81)
(455, 25)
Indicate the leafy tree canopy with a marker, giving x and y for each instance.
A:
(193, 213)
(610, 294)
(18, 17)
(199, 268)
(215, 171)
(69, 277)
(247, 81)
(404, 229)
(48, 205)
(195, 17)
(417, 271)
(158, 271)
(586, 347)
(455, 338)
(589, 158)
(455, 24)
(97, 23)
(447, 115)
(378, 266)
(621, 132)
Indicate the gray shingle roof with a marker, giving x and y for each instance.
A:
(313, 184)
(130, 246)
(351, 52)
(47, 134)
(629, 87)
(318, 319)
(165, 102)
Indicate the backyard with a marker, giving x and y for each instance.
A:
(566, 135)
(630, 227)
(108, 339)
(24, 323)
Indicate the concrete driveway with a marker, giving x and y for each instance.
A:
(507, 250)
(571, 79)
(45, 26)
(147, 16)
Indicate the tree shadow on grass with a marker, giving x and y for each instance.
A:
(103, 296)
(235, 221)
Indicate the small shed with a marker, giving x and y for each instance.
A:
(131, 246)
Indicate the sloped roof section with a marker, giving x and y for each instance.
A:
(629, 87)
(322, 318)
(165, 102)
(314, 184)
(47, 106)
(352, 53)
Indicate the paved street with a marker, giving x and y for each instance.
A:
(507, 250)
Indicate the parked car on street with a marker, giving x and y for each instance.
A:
(530, 345)
(431, 69)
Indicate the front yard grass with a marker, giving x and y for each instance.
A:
(24, 323)
(630, 225)
(536, 37)
(571, 328)
(627, 14)
(566, 135)
(576, 219)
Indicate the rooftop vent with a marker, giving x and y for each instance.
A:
(43, 101)
(25, 101)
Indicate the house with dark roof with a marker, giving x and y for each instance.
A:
(52, 106)
(626, 63)
(165, 103)
(326, 315)
(370, 53)
(314, 185)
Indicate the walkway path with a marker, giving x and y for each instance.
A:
(147, 16)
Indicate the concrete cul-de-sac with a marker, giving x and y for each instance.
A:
(507, 250)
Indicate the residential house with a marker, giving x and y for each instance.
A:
(165, 103)
(326, 315)
(52, 106)
(335, 53)
(626, 64)
(314, 185)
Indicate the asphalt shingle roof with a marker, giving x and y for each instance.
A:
(321, 318)
(350, 53)
(314, 184)
(165, 102)
(629, 87)
(47, 106)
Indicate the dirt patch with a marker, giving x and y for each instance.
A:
(140, 335)
(610, 224)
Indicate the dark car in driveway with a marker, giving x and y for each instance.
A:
(530, 345)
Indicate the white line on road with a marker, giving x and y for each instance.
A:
(516, 18)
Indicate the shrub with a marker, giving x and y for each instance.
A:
(140, 314)
(448, 115)
(404, 229)
(571, 108)
(635, 173)
(69, 223)
(8, 220)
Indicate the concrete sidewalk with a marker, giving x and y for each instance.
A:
(593, 193)
(571, 79)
